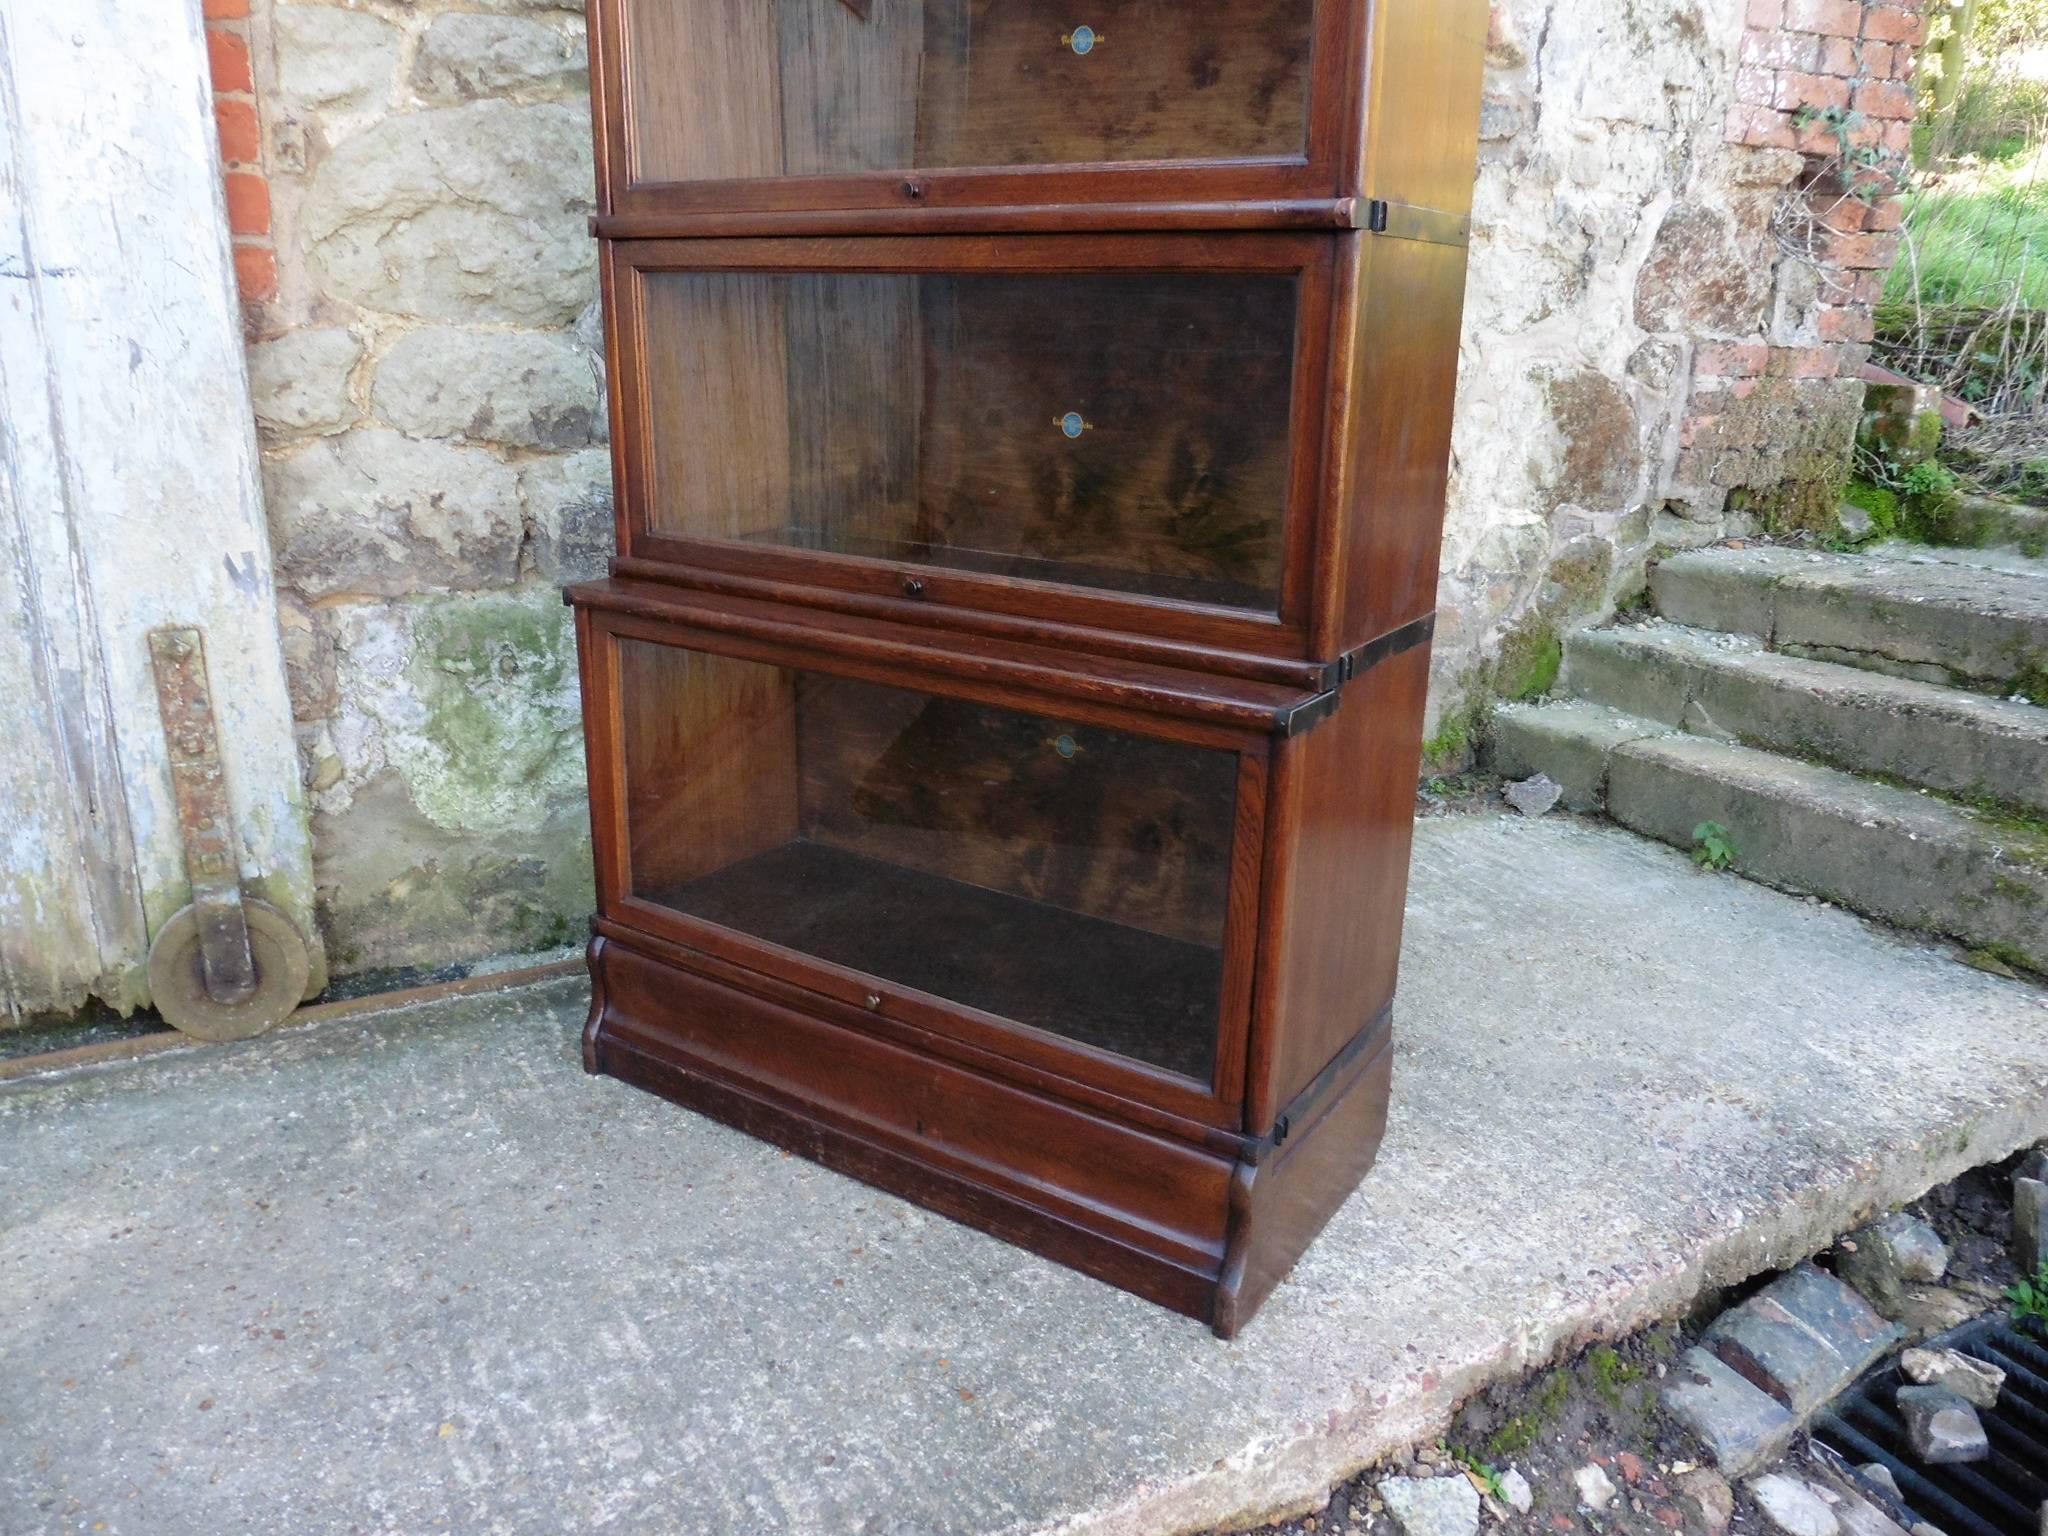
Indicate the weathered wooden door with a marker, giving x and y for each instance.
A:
(129, 499)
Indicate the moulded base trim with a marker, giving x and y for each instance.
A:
(1185, 1227)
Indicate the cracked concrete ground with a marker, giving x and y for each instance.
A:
(414, 1272)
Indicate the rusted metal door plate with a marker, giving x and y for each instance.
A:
(212, 857)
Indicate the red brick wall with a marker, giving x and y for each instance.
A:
(1803, 60)
(1832, 81)
(241, 148)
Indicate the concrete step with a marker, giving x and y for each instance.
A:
(1983, 627)
(2011, 561)
(1903, 856)
(1995, 523)
(1729, 686)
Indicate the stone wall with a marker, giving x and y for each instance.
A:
(1670, 288)
(427, 381)
(1666, 307)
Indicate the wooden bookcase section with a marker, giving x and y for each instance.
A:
(1030, 432)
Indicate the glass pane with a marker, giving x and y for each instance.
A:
(1125, 431)
(741, 88)
(1057, 874)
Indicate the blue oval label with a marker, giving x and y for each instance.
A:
(1072, 424)
(1083, 40)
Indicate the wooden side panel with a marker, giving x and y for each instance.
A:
(1167, 80)
(710, 759)
(1422, 114)
(715, 355)
(703, 88)
(1177, 482)
(1141, 1210)
(1338, 879)
(1280, 1206)
(849, 84)
(1130, 829)
(1396, 450)
(853, 382)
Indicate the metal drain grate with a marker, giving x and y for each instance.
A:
(1999, 1497)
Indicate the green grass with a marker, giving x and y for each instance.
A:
(1976, 234)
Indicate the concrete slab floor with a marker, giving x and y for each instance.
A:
(415, 1272)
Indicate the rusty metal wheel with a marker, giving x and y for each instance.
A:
(177, 984)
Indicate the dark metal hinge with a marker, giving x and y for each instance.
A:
(1297, 718)
(1356, 662)
(1376, 215)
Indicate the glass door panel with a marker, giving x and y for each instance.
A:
(1065, 876)
(1118, 431)
(726, 89)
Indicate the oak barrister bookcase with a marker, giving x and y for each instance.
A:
(1030, 425)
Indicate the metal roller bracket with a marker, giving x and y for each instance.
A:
(212, 856)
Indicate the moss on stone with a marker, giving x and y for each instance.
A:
(1807, 501)
(1520, 1432)
(473, 836)
(2003, 958)
(1530, 654)
(1879, 501)
(1576, 582)
(1609, 1374)
(426, 898)
(1530, 658)
(497, 732)
(2031, 681)
(1783, 451)
(1453, 739)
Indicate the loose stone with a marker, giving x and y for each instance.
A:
(1931, 1309)
(1596, 1489)
(1793, 1506)
(1881, 1258)
(1515, 1488)
(1432, 1506)
(1859, 1516)
(1922, 1255)
(2030, 1223)
(1881, 1475)
(1803, 1338)
(1977, 1382)
(1741, 1424)
(1534, 797)
(1942, 1429)
(1712, 1496)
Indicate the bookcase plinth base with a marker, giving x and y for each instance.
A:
(1204, 1231)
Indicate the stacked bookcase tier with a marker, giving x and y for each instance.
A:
(1125, 893)
(1122, 429)
(1148, 436)
(929, 105)
(1030, 426)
